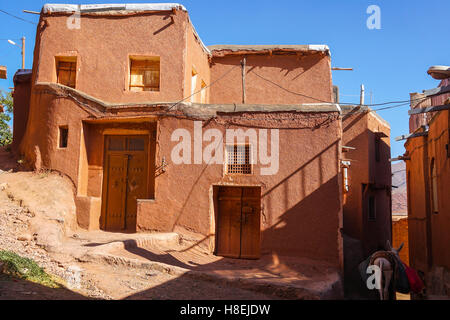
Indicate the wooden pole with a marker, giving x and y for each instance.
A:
(361, 101)
(23, 52)
(243, 62)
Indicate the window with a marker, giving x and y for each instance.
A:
(63, 136)
(377, 148)
(144, 74)
(372, 214)
(238, 159)
(66, 71)
(193, 84)
(203, 93)
(434, 191)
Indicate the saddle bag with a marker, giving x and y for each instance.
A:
(415, 282)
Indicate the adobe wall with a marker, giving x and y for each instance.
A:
(439, 141)
(400, 235)
(196, 58)
(309, 75)
(428, 231)
(21, 99)
(355, 136)
(103, 46)
(418, 202)
(359, 128)
(302, 209)
(379, 231)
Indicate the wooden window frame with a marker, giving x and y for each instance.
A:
(154, 60)
(67, 59)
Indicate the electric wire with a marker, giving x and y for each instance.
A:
(14, 16)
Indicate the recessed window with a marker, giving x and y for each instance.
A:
(238, 159)
(193, 84)
(372, 214)
(144, 74)
(66, 71)
(203, 93)
(63, 136)
(377, 149)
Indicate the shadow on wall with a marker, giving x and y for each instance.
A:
(307, 229)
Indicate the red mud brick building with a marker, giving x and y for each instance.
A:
(427, 160)
(137, 112)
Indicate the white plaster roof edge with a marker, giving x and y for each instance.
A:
(139, 7)
(308, 47)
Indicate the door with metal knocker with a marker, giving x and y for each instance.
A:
(124, 181)
(238, 223)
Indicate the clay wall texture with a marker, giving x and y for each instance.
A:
(428, 231)
(359, 131)
(302, 205)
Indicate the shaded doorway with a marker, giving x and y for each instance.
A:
(238, 230)
(125, 174)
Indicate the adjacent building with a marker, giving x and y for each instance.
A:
(427, 160)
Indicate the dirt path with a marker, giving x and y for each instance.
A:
(27, 199)
(37, 221)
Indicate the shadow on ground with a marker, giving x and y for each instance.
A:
(12, 288)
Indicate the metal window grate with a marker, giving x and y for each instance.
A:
(238, 159)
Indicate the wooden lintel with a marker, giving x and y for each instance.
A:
(412, 135)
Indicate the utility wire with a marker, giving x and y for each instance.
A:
(210, 85)
(9, 14)
(342, 103)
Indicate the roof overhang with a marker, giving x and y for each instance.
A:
(439, 72)
(108, 8)
(223, 50)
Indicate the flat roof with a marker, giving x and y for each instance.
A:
(50, 8)
(235, 49)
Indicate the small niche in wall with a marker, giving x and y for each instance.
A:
(63, 136)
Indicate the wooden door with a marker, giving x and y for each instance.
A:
(250, 230)
(125, 181)
(238, 225)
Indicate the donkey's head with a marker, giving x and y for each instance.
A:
(393, 250)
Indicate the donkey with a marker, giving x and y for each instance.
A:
(387, 269)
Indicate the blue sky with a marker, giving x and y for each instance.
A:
(391, 62)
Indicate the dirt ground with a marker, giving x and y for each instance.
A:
(37, 221)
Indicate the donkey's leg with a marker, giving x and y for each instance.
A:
(379, 280)
(387, 281)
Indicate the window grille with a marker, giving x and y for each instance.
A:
(238, 159)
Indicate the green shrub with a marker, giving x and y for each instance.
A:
(25, 268)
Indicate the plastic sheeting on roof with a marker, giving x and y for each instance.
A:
(264, 48)
(136, 7)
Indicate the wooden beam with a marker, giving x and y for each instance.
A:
(412, 135)
(429, 109)
(435, 91)
(243, 63)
